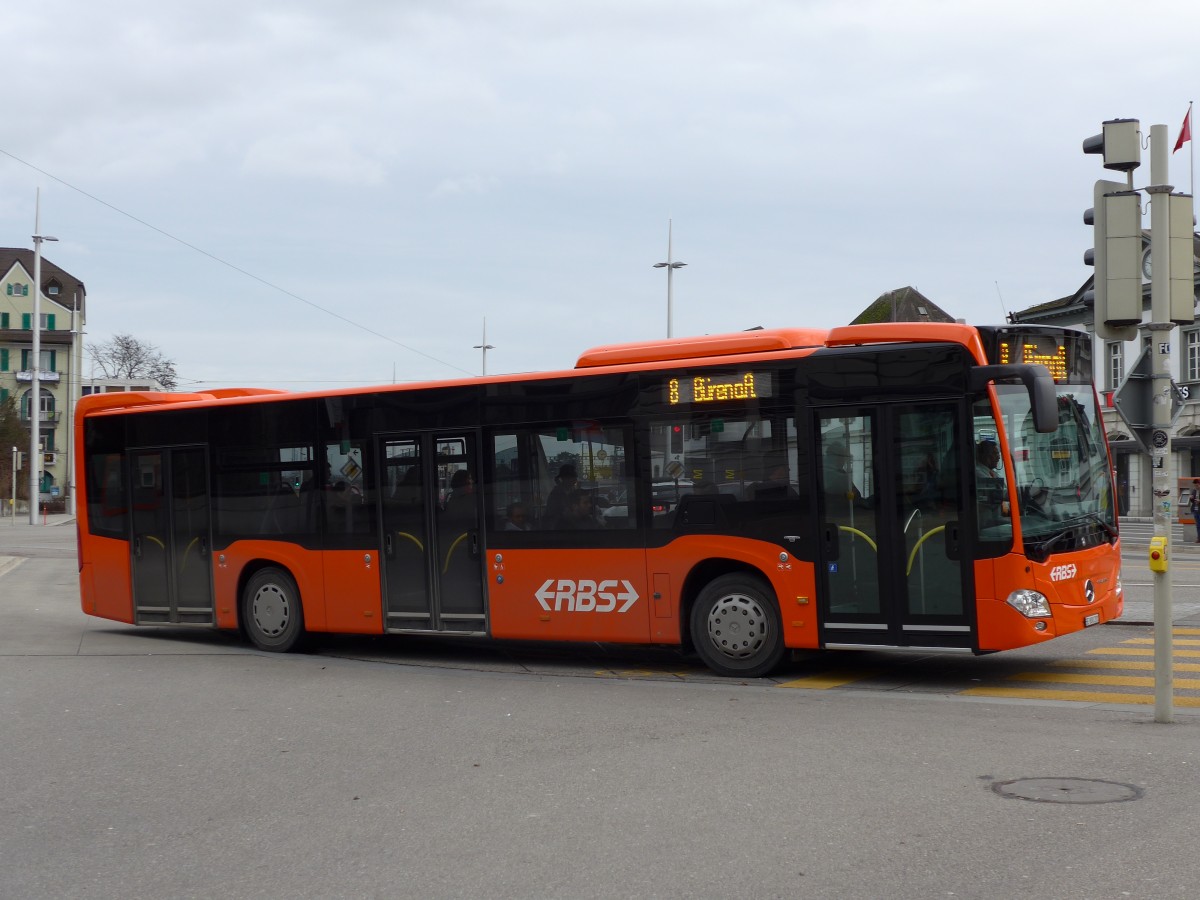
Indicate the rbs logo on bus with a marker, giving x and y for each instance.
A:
(585, 595)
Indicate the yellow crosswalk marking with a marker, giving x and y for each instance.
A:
(1122, 664)
(1189, 684)
(1177, 642)
(1138, 651)
(826, 680)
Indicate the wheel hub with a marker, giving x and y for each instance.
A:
(271, 611)
(737, 626)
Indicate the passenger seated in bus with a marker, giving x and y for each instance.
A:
(517, 517)
(579, 513)
(565, 483)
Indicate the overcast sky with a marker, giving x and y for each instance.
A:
(305, 194)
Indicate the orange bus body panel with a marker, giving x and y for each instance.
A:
(569, 595)
(105, 580)
(1002, 628)
(909, 332)
(353, 601)
(738, 343)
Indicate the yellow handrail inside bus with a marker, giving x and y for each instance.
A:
(183, 565)
(449, 553)
(413, 538)
(917, 546)
(862, 534)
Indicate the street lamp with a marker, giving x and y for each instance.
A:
(35, 392)
(485, 346)
(670, 266)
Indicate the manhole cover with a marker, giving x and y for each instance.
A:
(1067, 790)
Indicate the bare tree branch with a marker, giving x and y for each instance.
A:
(124, 356)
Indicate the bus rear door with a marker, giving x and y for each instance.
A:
(889, 500)
(172, 576)
(432, 570)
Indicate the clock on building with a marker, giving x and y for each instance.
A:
(1147, 265)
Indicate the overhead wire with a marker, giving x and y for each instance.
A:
(233, 266)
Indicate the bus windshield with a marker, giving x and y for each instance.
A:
(1063, 483)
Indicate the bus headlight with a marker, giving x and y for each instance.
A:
(1030, 604)
(1120, 588)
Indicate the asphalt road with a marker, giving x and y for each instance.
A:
(180, 763)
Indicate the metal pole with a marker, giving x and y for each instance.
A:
(72, 367)
(14, 486)
(670, 271)
(485, 346)
(35, 388)
(1162, 465)
(670, 265)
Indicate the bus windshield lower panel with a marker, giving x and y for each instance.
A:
(1063, 480)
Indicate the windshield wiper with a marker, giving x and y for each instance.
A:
(1047, 545)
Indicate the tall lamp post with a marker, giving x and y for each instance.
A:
(35, 391)
(670, 266)
(485, 346)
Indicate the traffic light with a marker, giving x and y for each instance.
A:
(676, 439)
(1182, 225)
(1116, 219)
(1118, 143)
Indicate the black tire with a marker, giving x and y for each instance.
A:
(736, 627)
(271, 613)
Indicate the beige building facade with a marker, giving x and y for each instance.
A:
(62, 314)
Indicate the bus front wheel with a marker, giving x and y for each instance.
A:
(736, 627)
(271, 613)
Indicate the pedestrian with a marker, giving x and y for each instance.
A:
(1194, 507)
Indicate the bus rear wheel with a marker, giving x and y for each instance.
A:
(271, 612)
(736, 627)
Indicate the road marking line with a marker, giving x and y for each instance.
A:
(1185, 642)
(1137, 651)
(1126, 664)
(1086, 696)
(1183, 684)
(826, 680)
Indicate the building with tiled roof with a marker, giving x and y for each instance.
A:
(905, 304)
(62, 310)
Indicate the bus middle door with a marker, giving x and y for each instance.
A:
(171, 564)
(432, 569)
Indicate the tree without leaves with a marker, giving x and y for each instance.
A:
(12, 434)
(124, 356)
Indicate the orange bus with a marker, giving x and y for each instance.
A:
(739, 495)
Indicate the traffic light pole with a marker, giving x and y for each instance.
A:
(1161, 462)
(1117, 300)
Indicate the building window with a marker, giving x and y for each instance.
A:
(1116, 364)
(1191, 355)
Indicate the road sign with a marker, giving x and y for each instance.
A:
(1134, 401)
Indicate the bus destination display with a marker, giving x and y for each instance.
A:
(1037, 350)
(694, 390)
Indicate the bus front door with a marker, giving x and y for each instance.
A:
(890, 494)
(432, 570)
(172, 576)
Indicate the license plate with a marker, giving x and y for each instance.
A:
(1093, 619)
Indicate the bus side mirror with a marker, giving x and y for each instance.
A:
(1038, 382)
